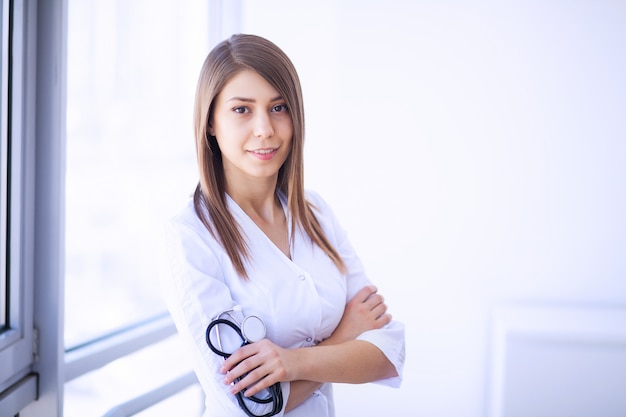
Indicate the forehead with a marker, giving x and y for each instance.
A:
(248, 84)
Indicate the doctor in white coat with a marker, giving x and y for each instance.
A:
(251, 239)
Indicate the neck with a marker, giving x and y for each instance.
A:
(257, 198)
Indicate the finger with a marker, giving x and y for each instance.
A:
(379, 310)
(257, 385)
(384, 320)
(238, 356)
(251, 383)
(255, 381)
(374, 300)
(230, 363)
(242, 370)
(364, 293)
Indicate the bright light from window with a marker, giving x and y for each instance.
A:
(132, 70)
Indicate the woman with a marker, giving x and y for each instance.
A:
(253, 242)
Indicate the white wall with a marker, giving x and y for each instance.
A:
(476, 152)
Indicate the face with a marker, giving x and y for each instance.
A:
(253, 128)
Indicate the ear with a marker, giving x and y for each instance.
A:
(209, 125)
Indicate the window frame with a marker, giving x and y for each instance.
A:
(17, 340)
(18, 382)
(4, 166)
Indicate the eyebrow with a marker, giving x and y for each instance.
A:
(251, 100)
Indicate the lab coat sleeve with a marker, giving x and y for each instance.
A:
(389, 339)
(195, 291)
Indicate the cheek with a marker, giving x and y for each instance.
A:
(229, 134)
(288, 131)
(288, 140)
(225, 140)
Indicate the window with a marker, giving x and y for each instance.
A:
(132, 70)
(138, 63)
(131, 76)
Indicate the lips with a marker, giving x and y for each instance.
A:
(264, 154)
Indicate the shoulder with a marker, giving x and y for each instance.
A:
(319, 205)
(187, 226)
(189, 242)
(187, 216)
(323, 212)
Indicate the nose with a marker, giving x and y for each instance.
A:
(263, 126)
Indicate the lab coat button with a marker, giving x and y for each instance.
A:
(309, 339)
(302, 277)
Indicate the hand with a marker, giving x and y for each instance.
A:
(365, 311)
(265, 364)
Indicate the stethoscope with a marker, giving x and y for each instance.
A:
(250, 330)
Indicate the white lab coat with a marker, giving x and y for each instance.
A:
(301, 299)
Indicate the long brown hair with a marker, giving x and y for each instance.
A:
(228, 58)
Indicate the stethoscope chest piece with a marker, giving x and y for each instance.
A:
(253, 329)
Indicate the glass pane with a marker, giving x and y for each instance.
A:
(97, 392)
(132, 70)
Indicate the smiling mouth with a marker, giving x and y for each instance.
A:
(263, 151)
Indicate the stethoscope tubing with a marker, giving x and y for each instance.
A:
(276, 393)
(228, 323)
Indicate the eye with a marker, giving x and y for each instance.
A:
(279, 108)
(241, 110)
